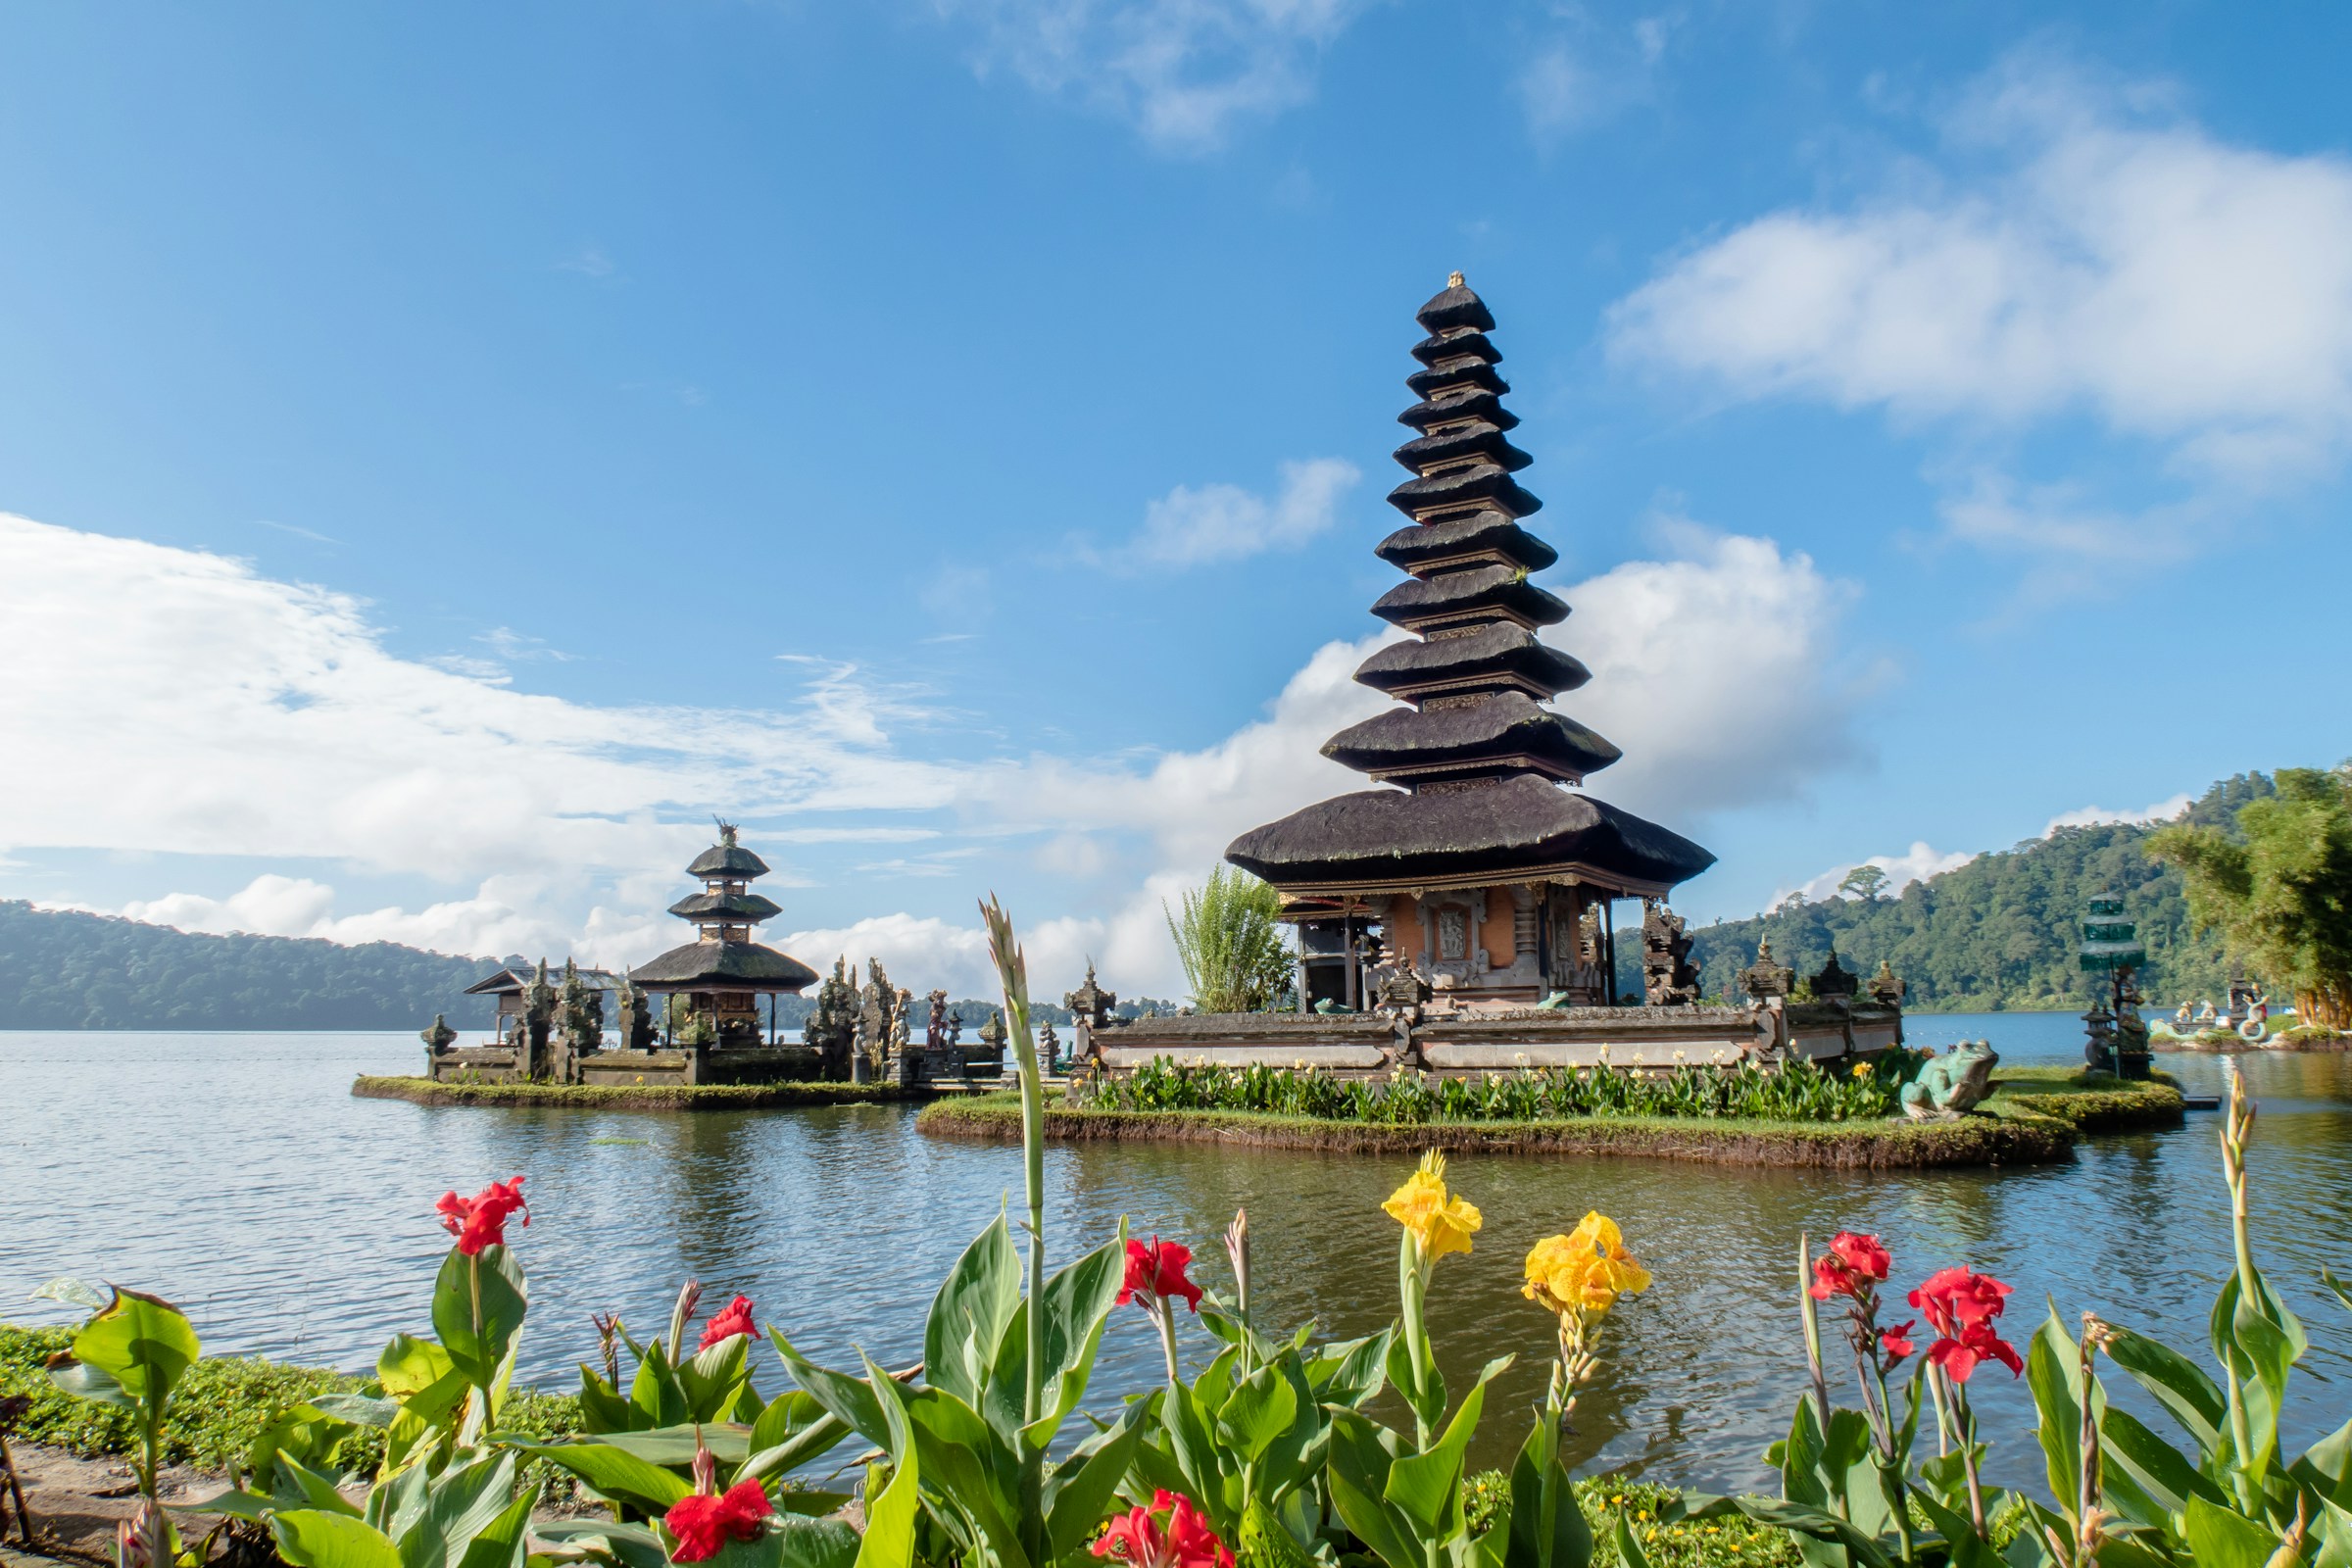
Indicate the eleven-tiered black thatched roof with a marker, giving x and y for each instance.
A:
(1483, 762)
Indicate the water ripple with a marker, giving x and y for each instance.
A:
(236, 1175)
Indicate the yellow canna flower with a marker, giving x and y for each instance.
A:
(1584, 1271)
(1436, 1223)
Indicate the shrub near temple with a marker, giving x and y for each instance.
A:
(1797, 1091)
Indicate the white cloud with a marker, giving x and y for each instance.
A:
(2079, 251)
(2163, 811)
(1184, 72)
(1920, 862)
(507, 914)
(211, 711)
(1717, 671)
(165, 698)
(1571, 83)
(1191, 527)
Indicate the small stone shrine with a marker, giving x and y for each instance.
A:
(705, 1027)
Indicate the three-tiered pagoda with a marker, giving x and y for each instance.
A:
(1477, 862)
(723, 972)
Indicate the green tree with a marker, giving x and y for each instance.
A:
(2000, 931)
(2278, 889)
(1865, 881)
(1229, 939)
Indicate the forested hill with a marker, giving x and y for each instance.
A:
(2000, 931)
(62, 970)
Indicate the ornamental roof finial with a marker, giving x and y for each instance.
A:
(1454, 281)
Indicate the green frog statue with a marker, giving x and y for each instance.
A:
(1954, 1084)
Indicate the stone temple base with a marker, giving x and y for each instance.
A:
(683, 1064)
(1486, 1039)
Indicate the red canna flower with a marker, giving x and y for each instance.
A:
(1896, 1341)
(1185, 1542)
(1862, 1254)
(1851, 1265)
(1955, 1300)
(730, 1321)
(1158, 1271)
(704, 1523)
(1978, 1343)
(480, 1221)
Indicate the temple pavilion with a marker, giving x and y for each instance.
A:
(723, 973)
(1477, 861)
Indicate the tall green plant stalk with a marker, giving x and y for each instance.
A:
(1228, 936)
(1012, 970)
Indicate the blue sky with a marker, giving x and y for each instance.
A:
(448, 452)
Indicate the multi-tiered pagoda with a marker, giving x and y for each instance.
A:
(1478, 861)
(723, 973)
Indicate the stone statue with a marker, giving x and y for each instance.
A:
(1090, 1003)
(832, 1027)
(875, 1026)
(579, 1014)
(1049, 1048)
(1765, 979)
(935, 1029)
(901, 1015)
(636, 1016)
(993, 1034)
(1951, 1085)
(2098, 1049)
(538, 1017)
(2131, 1033)
(1667, 978)
(1400, 993)
(436, 1040)
(1835, 982)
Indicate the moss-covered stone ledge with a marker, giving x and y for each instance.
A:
(2015, 1140)
(634, 1097)
(2087, 1101)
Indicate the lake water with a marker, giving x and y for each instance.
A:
(236, 1175)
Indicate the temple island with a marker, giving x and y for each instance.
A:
(1460, 916)
(705, 1012)
(693, 1016)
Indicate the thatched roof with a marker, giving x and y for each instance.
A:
(1491, 654)
(1522, 824)
(727, 860)
(1509, 728)
(724, 966)
(1498, 588)
(1453, 345)
(1457, 488)
(1453, 308)
(753, 908)
(1487, 533)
